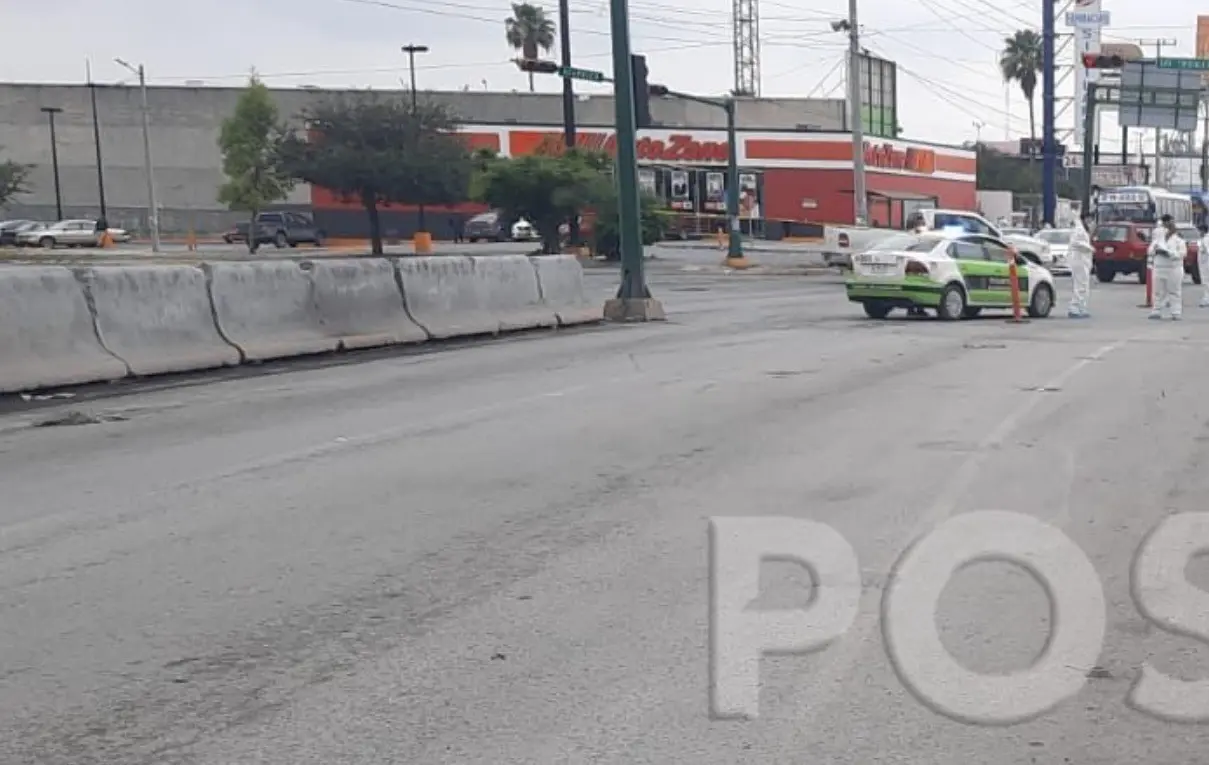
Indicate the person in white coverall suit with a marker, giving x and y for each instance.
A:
(1167, 250)
(1080, 268)
(1202, 261)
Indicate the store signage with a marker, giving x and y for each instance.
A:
(886, 157)
(676, 148)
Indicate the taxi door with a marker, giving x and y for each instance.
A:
(985, 266)
(977, 271)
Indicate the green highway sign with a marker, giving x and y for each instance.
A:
(1187, 64)
(591, 75)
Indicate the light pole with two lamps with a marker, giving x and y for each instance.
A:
(859, 194)
(153, 212)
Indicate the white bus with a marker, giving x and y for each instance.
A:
(1143, 204)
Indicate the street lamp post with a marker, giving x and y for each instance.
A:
(860, 197)
(50, 112)
(96, 138)
(153, 213)
(854, 108)
(411, 51)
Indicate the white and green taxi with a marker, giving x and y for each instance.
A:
(954, 273)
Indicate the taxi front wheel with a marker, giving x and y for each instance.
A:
(1042, 301)
(952, 303)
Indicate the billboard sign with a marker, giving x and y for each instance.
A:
(1153, 96)
(879, 97)
(1087, 40)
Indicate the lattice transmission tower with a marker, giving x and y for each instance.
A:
(747, 47)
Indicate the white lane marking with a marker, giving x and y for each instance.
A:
(838, 662)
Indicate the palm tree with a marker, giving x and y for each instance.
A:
(529, 30)
(1020, 62)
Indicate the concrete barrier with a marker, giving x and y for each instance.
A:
(157, 319)
(47, 335)
(360, 303)
(267, 309)
(561, 280)
(509, 284)
(444, 297)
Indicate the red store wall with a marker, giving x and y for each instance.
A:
(831, 190)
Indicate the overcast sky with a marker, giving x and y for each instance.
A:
(946, 49)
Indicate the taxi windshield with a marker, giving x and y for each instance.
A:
(907, 243)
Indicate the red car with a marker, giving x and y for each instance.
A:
(1120, 248)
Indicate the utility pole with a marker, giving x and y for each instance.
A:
(153, 214)
(1159, 44)
(1049, 197)
(859, 194)
(411, 51)
(564, 45)
(633, 301)
(96, 138)
(50, 112)
(1205, 148)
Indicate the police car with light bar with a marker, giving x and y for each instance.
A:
(951, 272)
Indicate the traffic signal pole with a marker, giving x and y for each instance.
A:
(564, 45)
(734, 248)
(1089, 134)
(633, 301)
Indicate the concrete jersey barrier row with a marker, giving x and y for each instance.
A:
(62, 327)
(277, 309)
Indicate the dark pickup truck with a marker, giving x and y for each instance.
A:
(280, 229)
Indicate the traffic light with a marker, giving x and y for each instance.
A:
(642, 92)
(536, 65)
(1097, 61)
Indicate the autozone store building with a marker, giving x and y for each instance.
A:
(791, 183)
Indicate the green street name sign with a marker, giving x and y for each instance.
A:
(1187, 64)
(591, 75)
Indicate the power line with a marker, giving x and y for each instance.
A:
(394, 69)
(940, 90)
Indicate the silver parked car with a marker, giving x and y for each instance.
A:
(1036, 250)
(68, 233)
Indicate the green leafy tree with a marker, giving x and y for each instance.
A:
(545, 191)
(251, 140)
(378, 151)
(1021, 61)
(481, 159)
(528, 31)
(14, 179)
(606, 230)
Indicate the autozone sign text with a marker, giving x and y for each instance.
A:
(677, 148)
(886, 157)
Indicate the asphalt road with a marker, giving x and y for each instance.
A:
(499, 553)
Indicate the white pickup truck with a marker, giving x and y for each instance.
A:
(841, 242)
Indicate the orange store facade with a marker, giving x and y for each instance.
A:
(789, 182)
